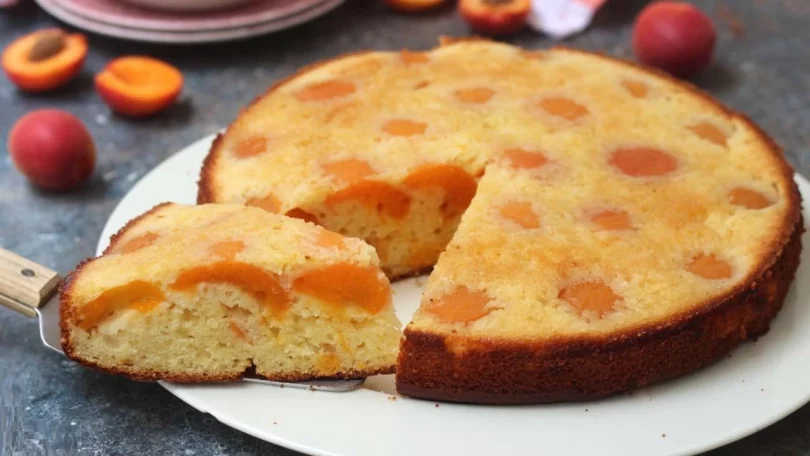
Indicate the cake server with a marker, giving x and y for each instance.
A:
(31, 289)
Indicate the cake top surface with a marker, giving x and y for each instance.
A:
(612, 196)
(173, 239)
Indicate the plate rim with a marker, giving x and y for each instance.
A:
(208, 25)
(186, 394)
(182, 38)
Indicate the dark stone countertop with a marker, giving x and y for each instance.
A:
(49, 405)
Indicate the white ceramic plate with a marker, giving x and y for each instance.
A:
(187, 37)
(761, 383)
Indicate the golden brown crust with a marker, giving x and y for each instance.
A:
(115, 238)
(206, 192)
(511, 372)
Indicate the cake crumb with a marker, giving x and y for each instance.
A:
(762, 389)
(275, 422)
(664, 435)
(437, 405)
(586, 410)
(392, 398)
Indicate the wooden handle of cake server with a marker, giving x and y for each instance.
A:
(25, 285)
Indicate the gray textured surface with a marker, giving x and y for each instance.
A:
(48, 405)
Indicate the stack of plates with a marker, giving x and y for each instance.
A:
(127, 20)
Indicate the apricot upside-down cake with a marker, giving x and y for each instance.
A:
(608, 226)
(622, 227)
(211, 292)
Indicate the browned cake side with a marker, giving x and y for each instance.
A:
(517, 373)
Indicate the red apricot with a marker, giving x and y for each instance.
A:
(53, 149)
(674, 36)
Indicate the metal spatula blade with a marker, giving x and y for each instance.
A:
(30, 289)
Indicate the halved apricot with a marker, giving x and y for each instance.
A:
(299, 213)
(643, 161)
(751, 199)
(709, 267)
(138, 243)
(495, 17)
(139, 86)
(139, 295)
(263, 285)
(710, 132)
(339, 111)
(381, 196)
(414, 57)
(459, 187)
(404, 127)
(44, 60)
(534, 54)
(269, 203)
(327, 363)
(563, 107)
(349, 170)
(227, 250)
(593, 295)
(524, 159)
(474, 95)
(330, 240)
(326, 90)
(612, 220)
(413, 6)
(421, 85)
(636, 88)
(250, 146)
(460, 306)
(239, 332)
(522, 213)
(341, 285)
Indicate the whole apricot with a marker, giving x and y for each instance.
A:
(53, 149)
(676, 37)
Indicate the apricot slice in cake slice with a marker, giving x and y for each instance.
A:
(227, 290)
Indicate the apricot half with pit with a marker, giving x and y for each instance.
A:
(44, 60)
(139, 86)
(53, 149)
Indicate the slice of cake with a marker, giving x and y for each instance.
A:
(212, 292)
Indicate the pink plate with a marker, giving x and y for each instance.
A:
(208, 36)
(121, 14)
